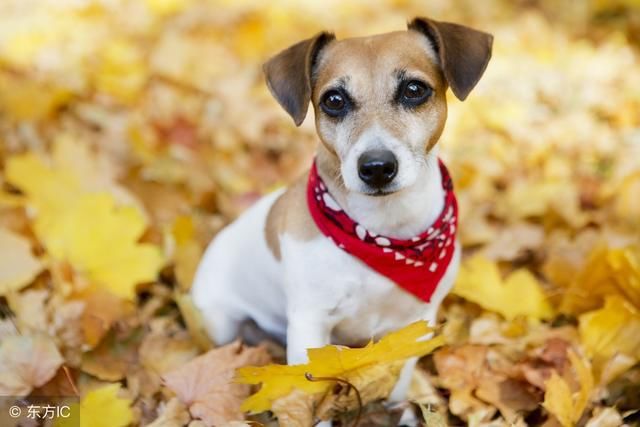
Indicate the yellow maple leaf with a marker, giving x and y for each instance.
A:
(27, 99)
(77, 218)
(349, 364)
(99, 408)
(53, 183)
(100, 239)
(566, 406)
(535, 199)
(519, 294)
(18, 266)
(612, 330)
(607, 271)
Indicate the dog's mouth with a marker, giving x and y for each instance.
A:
(380, 193)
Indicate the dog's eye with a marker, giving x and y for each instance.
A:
(334, 103)
(415, 92)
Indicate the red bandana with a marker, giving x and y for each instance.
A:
(416, 265)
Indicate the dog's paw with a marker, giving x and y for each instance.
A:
(409, 418)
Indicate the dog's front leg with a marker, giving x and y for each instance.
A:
(401, 389)
(306, 330)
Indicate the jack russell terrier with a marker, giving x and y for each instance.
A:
(365, 243)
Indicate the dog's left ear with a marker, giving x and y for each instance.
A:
(464, 52)
(289, 73)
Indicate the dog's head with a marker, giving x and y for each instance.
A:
(380, 101)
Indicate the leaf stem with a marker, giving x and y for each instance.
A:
(350, 386)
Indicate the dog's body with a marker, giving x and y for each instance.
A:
(274, 266)
(380, 109)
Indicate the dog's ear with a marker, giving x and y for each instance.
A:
(288, 75)
(464, 52)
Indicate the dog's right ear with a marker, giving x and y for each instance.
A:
(288, 75)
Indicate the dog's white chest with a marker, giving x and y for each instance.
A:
(358, 301)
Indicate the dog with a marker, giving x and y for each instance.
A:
(364, 243)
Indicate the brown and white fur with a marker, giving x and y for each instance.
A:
(272, 264)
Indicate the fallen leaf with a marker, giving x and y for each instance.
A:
(102, 310)
(462, 370)
(432, 418)
(27, 361)
(18, 266)
(567, 255)
(163, 352)
(423, 392)
(65, 323)
(205, 384)
(30, 309)
(53, 182)
(519, 294)
(115, 263)
(101, 407)
(538, 198)
(512, 241)
(28, 99)
(294, 409)
(613, 329)
(607, 271)
(559, 399)
(114, 356)
(373, 383)
(349, 364)
(605, 417)
(66, 208)
(172, 414)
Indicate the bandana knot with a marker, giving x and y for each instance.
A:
(416, 265)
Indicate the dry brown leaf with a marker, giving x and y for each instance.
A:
(161, 352)
(376, 384)
(205, 384)
(172, 414)
(462, 370)
(423, 392)
(511, 397)
(29, 308)
(65, 322)
(605, 417)
(116, 355)
(27, 361)
(513, 241)
(102, 309)
(18, 266)
(295, 409)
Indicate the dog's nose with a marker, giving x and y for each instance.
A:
(377, 168)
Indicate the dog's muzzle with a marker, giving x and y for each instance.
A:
(377, 168)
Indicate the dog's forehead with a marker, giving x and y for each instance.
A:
(382, 53)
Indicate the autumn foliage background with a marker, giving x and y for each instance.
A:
(132, 131)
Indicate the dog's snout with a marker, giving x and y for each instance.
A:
(377, 168)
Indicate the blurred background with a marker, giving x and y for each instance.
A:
(131, 131)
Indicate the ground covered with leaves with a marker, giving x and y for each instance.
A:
(132, 131)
